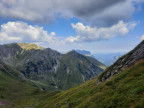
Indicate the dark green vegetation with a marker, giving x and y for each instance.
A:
(124, 90)
(48, 69)
(13, 89)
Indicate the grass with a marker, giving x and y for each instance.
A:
(18, 93)
(124, 90)
(30, 46)
(14, 91)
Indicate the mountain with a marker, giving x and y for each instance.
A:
(75, 69)
(47, 68)
(123, 89)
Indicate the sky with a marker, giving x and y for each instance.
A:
(99, 26)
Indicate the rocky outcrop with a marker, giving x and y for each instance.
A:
(124, 62)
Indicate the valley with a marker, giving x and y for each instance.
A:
(71, 53)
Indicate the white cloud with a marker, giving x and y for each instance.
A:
(142, 38)
(94, 12)
(22, 32)
(53, 34)
(87, 33)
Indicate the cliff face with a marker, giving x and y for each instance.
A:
(124, 62)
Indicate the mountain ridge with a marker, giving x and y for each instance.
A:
(45, 66)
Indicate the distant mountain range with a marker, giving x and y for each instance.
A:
(106, 58)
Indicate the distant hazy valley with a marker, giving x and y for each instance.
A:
(106, 58)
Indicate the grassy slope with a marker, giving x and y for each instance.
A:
(124, 90)
(30, 46)
(15, 92)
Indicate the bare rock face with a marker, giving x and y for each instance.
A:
(124, 62)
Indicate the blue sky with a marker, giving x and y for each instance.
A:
(96, 26)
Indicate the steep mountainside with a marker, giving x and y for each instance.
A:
(75, 69)
(15, 89)
(123, 90)
(124, 62)
(48, 68)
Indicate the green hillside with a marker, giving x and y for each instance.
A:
(18, 92)
(124, 90)
(15, 90)
(75, 69)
